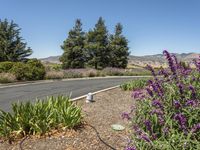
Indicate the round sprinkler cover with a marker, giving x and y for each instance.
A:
(117, 127)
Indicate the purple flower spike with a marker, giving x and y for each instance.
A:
(148, 125)
(137, 130)
(171, 63)
(191, 103)
(154, 136)
(163, 72)
(145, 137)
(175, 60)
(196, 128)
(165, 130)
(126, 115)
(180, 86)
(138, 94)
(148, 67)
(191, 88)
(157, 103)
(161, 120)
(181, 120)
(177, 104)
(149, 92)
(157, 111)
(156, 87)
(197, 64)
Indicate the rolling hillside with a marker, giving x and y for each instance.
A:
(141, 61)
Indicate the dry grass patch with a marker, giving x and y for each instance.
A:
(7, 78)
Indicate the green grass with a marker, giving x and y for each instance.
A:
(133, 85)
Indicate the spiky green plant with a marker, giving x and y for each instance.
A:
(39, 117)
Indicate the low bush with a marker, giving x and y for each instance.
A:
(113, 71)
(21, 71)
(54, 75)
(33, 69)
(37, 70)
(52, 67)
(134, 85)
(7, 78)
(39, 118)
(6, 66)
(166, 115)
(90, 73)
(56, 67)
(73, 73)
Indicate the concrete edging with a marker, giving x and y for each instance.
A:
(94, 93)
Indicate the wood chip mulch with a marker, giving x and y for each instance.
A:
(101, 114)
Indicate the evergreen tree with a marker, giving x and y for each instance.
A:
(73, 47)
(11, 46)
(97, 46)
(118, 48)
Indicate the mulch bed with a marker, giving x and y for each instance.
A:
(101, 114)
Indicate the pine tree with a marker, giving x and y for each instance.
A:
(73, 47)
(11, 46)
(97, 46)
(118, 48)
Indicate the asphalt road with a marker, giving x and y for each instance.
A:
(75, 88)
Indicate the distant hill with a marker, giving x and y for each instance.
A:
(159, 60)
(51, 59)
(141, 61)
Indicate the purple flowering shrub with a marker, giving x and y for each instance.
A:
(166, 114)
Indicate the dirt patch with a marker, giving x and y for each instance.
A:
(101, 114)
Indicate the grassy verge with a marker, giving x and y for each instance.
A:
(134, 85)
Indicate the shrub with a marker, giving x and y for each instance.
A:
(134, 85)
(113, 71)
(37, 70)
(54, 75)
(39, 118)
(52, 67)
(32, 70)
(6, 66)
(73, 73)
(56, 67)
(166, 114)
(7, 78)
(90, 73)
(21, 71)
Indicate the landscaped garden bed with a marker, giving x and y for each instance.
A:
(101, 114)
(166, 112)
(161, 114)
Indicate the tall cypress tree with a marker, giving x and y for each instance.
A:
(118, 48)
(73, 47)
(12, 47)
(97, 45)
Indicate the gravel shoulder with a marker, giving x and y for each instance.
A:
(101, 114)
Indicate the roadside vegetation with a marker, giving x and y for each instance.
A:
(90, 72)
(134, 85)
(32, 69)
(39, 118)
(166, 113)
(85, 54)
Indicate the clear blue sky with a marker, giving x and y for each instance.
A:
(149, 25)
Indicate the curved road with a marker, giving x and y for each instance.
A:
(75, 88)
